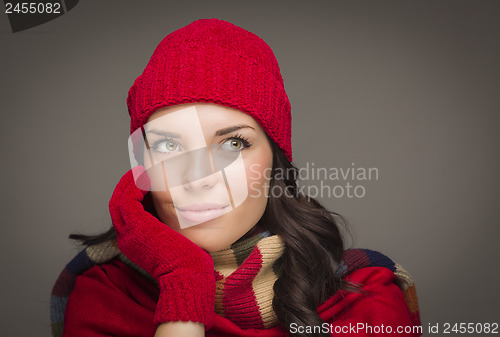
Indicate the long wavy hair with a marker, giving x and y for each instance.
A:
(314, 246)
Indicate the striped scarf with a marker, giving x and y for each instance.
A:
(245, 278)
(245, 274)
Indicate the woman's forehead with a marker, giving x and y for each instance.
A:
(198, 117)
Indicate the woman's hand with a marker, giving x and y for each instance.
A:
(184, 271)
(185, 329)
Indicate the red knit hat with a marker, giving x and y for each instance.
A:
(212, 60)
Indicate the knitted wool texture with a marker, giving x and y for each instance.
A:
(245, 276)
(149, 243)
(212, 60)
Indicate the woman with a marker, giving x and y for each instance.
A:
(210, 235)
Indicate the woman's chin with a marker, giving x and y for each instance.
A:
(211, 245)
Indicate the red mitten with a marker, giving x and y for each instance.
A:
(184, 271)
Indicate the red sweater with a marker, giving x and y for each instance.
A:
(113, 300)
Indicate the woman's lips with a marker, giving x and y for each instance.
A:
(199, 213)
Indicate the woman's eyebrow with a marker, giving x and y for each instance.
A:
(230, 129)
(164, 133)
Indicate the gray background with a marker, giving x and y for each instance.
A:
(411, 88)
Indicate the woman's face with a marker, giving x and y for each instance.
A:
(209, 167)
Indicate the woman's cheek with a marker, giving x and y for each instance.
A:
(258, 177)
(158, 179)
(164, 208)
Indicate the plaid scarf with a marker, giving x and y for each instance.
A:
(244, 273)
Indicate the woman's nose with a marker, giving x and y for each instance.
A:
(198, 173)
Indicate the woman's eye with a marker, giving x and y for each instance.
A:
(232, 145)
(166, 146)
